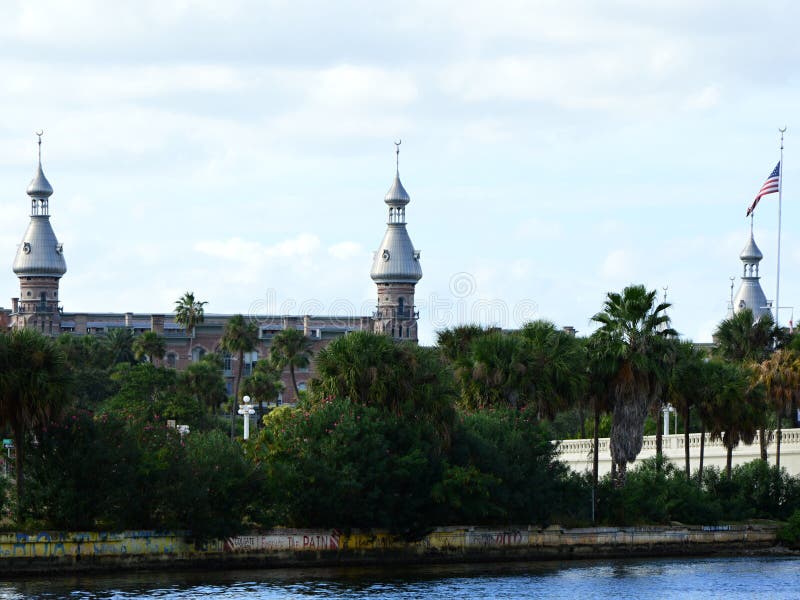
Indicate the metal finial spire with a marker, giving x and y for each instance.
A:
(39, 133)
(665, 288)
(732, 280)
(397, 152)
(751, 224)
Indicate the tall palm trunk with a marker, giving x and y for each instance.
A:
(596, 456)
(762, 443)
(19, 441)
(778, 435)
(659, 436)
(686, 440)
(294, 383)
(236, 381)
(729, 461)
(702, 453)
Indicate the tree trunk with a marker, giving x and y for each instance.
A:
(702, 454)
(613, 471)
(659, 436)
(778, 440)
(19, 439)
(762, 442)
(294, 383)
(686, 452)
(236, 381)
(729, 461)
(621, 474)
(596, 456)
(582, 419)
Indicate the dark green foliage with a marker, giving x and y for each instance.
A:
(656, 492)
(148, 393)
(343, 464)
(115, 473)
(521, 479)
(789, 534)
(755, 490)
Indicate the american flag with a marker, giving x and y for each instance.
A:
(771, 185)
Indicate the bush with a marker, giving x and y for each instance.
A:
(344, 465)
(106, 472)
(789, 534)
(656, 492)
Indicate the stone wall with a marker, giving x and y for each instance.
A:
(69, 552)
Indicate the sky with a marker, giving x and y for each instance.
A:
(553, 150)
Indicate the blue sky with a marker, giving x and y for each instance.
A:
(553, 151)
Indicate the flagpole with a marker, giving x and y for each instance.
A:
(780, 198)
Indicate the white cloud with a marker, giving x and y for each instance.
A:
(345, 250)
(617, 266)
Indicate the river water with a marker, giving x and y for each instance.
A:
(705, 578)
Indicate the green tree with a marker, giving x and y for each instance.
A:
(119, 342)
(403, 378)
(556, 368)
(633, 328)
(291, 348)
(746, 340)
(203, 381)
(780, 374)
(150, 345)
(264, 384)
(34, 382)
(686, 380)
(240, 336)
(189, 313)
(737, 408)
(742, 338)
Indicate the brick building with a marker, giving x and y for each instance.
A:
(40, 264)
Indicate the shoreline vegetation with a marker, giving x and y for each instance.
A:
(395, 437)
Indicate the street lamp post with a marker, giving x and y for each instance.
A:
(668, 409)
(246, 410)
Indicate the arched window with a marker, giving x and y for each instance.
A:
(172, 360)
(401, 306)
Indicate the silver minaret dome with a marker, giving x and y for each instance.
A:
(750, 294)
(39, 187)
(751, 252)
(396, 261)
(397, 194)
(40, 254)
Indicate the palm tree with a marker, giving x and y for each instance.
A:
(556, 367)
(151, 345)
(780, 374)
(291, 348)
(240, 336)
(120, 345)
(742, 338)
(33, 387)
(264, 384)
(601, 371)
(746, 340)
(737, 408)
(686, 387)
(188, 314)
(203, 380)
(633, 329)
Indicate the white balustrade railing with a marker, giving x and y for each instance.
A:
(578, 454)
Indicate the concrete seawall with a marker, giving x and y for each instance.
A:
(84, 551)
